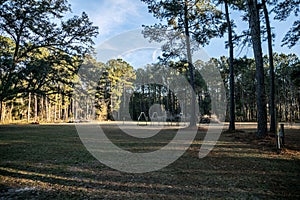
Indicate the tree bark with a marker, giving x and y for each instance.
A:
(1, 110)
(47, 108)
(254, 23)
(42, 107)
(55, 107)
(231, 70)
(35, 108)
(191, 67)
(272, 74)
(28, 109)
(59, 106)
(73, 109)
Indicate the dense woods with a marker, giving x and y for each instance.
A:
(117, 82)
(41, 54)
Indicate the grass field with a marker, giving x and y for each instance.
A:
(50, 162)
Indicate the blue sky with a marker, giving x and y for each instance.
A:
(114, 17)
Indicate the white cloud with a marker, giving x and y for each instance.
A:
(111, 15)
(116, 13)
(127, 45)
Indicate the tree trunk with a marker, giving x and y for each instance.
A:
(254, 23)
(231, 70)
(55, 107)
(10, 112)
(47, 108)
(73, 109)
(42, 108)
(76, 109)
(63, 107)
(272, 74)
(35, 108)
(191, 67)
(59, 106)
(280, 112)
(87, 110)
(28, 109)
(286, 101)
(1, 111)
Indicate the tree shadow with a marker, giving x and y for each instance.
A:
(47, 166)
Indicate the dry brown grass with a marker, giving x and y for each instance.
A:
(50, 162)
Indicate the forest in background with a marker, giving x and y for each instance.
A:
(117, 80)
(41, 53)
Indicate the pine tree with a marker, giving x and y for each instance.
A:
(198, 21)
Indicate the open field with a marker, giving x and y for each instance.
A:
(50, 162)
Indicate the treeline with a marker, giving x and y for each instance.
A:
(117, 96)
(42, 55)
(287, 84)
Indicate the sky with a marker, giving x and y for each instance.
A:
(118, 18)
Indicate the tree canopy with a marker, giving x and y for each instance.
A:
(40, 46)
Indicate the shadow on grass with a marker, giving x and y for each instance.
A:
(51, 162)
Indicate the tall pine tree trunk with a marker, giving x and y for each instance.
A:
(42, 108)
(59, 106)
(28, 109)
(191, 66)
(231, 69)
(55, 107)
(1, 111)
(73, 109)
(254, 23)
(35, 108)
(272, 74)
(10, 112)
(47, 108)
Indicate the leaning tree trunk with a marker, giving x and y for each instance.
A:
(231, 70)
(272, 74)
(254, 23)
